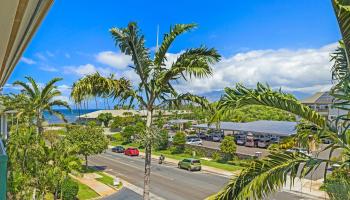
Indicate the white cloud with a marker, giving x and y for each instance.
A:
(65, 89)
(41, 56)
(27, 61)
(83, 70)
(64, 98)
(48, 68)
(113, 59)
(49, 53)
(303, 70)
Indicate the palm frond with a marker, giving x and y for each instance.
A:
(263, 95)
(342, 13)
(266, 176)
(175, 31)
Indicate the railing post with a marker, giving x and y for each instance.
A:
(3, 171)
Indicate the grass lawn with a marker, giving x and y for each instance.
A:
(168, 154)
(105, 179)
(85, 192)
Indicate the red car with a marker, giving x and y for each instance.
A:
(131, 152)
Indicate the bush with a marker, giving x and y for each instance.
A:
(162, 143)
(69, 189)
(179, 141)
(228, 147)
(216, 156)
(337, 185)
(104, 118)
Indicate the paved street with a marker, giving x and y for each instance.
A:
(167, 181)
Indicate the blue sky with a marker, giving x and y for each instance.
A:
(283, 43)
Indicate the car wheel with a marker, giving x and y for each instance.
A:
(179, 166)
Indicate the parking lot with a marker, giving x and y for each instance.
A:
(240, 149)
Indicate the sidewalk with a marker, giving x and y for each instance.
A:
(306, 187)
(89, 179)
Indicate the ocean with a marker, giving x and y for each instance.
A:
(70, 115)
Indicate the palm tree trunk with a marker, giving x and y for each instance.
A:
(86, 162)
(148, 153)
(96, 102)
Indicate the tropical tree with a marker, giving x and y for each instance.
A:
(156, 78)
(37, 100)
(265, 176)
(88, 140)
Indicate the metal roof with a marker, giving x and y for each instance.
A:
(280, 128)
(319, 98)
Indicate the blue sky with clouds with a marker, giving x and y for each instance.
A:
(283, 43)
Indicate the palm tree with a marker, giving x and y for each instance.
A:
(156, 78)
(38, 100)
(270, 174)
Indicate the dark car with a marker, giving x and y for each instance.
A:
(118, 149)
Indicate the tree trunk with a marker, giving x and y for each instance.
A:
(86, 161)
(148, 151)
(39, 123)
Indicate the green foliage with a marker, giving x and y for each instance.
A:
(89, 140)
(337, 185)
(35, 164)
(216, 156)
(179, 142)
(162, 142)
(70, 189)
(129, 132)
(228, 147)
(120, 122)
(105, 118)
(35, 100)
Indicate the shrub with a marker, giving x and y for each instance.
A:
(105, 118)
(179, 141)
(162, 143)
(228, 147)
(216, 156)
(69, 189)
(337, 185)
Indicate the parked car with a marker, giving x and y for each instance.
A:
(240, 139)
(118, 149)
(194, 141)
(190, 164)
(217, 138)
(202, 135)
(189, 137)
(264, 143)
(131, 152)
(300, 150)
(251, 141)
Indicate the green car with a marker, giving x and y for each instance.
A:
(190, 164)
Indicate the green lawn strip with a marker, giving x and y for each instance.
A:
(168, 154)
(85, 192)
(105, 179)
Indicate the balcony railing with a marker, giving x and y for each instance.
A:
(3, 171)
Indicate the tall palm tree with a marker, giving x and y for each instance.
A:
(156, 78)
(38, 100)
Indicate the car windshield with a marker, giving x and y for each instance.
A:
(196, 161)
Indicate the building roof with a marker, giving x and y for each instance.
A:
(319, 98)
(121, 113)
(179, 121)
(279, 128)
(19, 20)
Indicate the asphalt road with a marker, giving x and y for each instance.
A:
(167, 181)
